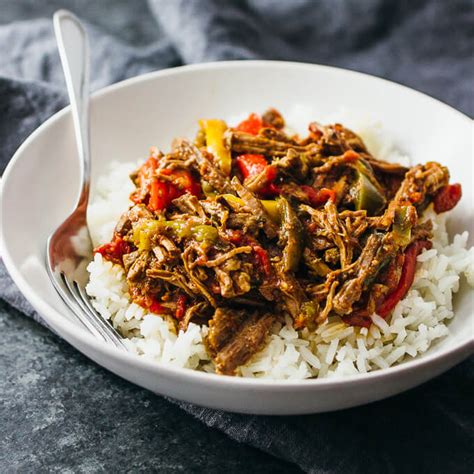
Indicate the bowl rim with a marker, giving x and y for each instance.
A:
(48, 312)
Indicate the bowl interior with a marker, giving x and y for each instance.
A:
(41, 184)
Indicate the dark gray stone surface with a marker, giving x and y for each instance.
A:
(60, 412)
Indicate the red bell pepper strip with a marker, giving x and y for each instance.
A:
(162, 193)
(271, 189)
(158, 194)
(180, 307)
(147, 170)
(251, 125)
(183, 180)
(359, 318)
(235, 236)
(114, 250)
(406, 278)
(155, 307)
(144, 178)
(263, 259)
(447, 198)
(318, 197)
(362, 318)
(252, 165)
(149, 167)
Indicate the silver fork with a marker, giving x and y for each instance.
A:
(69, 248)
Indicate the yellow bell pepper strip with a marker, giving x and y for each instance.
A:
(214, 130)
(143, 233)
(200, 138)
(270, 205)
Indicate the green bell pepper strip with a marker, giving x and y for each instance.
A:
(368, 196)
(292, 230)
(402, 226)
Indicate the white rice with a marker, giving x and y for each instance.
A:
(333, 350)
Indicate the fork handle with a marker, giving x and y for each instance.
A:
(75, 58)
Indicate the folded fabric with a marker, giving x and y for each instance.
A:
(424, 44)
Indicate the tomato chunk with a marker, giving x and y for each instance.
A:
(155, 307)
(114, 250)
(447, 198)
(261, 255)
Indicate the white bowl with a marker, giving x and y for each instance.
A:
(41, 183)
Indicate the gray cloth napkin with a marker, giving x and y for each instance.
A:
(423, 44)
